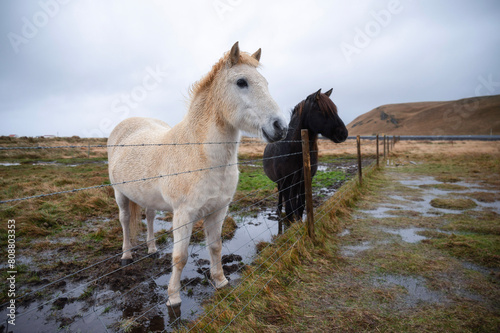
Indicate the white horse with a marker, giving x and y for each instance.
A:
(232, 97)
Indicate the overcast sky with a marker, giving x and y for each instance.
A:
(74, 67)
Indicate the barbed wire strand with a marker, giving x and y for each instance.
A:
(252, 238)
(323, 214)
(144, 145)
(139, 180)
(199, 231)
(158, 303)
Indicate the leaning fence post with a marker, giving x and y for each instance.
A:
(358, 144)
(308, 183)
(377, 152)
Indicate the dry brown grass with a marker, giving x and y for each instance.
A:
(453, 148)
(251, 147)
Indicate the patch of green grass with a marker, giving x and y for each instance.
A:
(254, 189)
(327, 178)
(252, 178)
(87, 293)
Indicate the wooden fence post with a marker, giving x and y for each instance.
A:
(385, 139)
(377, 152)
(358, 144)
(308, 183)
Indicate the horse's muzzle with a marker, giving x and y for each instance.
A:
(341, 135)
(276, 132)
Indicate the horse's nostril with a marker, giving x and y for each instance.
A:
(277, 126)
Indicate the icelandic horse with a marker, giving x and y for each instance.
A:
(231, 98)
(283, 161)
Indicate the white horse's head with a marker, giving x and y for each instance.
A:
(248, 105)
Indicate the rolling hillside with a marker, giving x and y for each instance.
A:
(469, 116)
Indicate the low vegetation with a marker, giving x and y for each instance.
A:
(295, 285)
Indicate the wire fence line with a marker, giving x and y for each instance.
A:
(208, 244)
(140, 180)
(137, 247)
(147, 178)
(180, 144)
(207, 313)
(101, 306)
(92, 281)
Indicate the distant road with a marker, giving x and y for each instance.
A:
(438, 137)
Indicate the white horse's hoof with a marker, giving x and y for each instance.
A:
(174, 301)
(221, 284)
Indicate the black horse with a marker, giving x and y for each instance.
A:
(283, 162)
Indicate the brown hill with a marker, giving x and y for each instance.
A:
(469, 116)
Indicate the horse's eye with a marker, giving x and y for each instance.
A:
(242, 83)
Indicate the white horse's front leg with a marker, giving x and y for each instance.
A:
(182, 229)
(150, 217)
(213, 229)
(124, 216)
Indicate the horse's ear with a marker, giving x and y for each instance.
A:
(316, 96)
(329, 92)
(257, 53)
(234, 54)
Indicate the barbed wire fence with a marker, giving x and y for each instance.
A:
(99, 307)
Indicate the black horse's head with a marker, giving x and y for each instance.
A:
(320, 115)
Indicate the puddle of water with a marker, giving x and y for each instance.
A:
(159, 223)
(9, 164)
(423, 206)
(481, 269)
(322, 168)
(345, 232)
(415, 287)
(379, 212)
(352, 250)
(408, 235)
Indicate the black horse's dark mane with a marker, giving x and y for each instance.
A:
(324, 102)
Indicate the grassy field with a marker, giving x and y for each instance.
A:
(307, 287)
